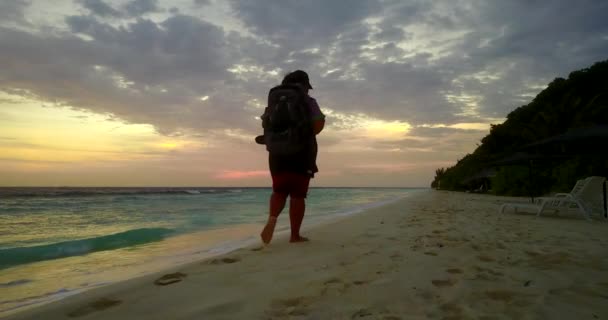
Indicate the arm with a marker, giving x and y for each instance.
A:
(317, 126)
(318, 118)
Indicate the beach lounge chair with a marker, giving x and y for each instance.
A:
(586, 197)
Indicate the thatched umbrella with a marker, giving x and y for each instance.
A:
(589, 140)
(480, 176)
(528, 159)
(519, 158)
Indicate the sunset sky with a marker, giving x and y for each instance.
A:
(169, 93)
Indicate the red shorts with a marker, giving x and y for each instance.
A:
(292, 184)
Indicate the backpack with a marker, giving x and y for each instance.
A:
(286, 121)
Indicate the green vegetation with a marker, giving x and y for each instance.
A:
(579, 101)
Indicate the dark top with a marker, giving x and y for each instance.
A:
(304, 162)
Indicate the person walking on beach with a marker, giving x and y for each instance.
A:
(291, 121)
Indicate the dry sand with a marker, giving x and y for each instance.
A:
(438, 255)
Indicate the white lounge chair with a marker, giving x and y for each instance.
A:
(586, 197)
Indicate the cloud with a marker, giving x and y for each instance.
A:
(201, 2)
(100, 8)
(143, 72)
(412, 61)
(523, 45)
(132, 8)
(431, 65)
(13, 11)
(309, 23)
(139, 7)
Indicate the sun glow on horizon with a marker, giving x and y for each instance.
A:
(34, 131)
(364, 126)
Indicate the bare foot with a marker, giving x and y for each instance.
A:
(299, 239)
(268, 230)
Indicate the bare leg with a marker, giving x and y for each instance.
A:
(297, 207)
(277, 203)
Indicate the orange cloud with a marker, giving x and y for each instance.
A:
(231, 175)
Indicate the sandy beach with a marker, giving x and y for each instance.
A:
(436, 255)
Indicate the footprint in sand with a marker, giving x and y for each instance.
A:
(548, 260)
(361, 313)
(485, 258)
(532, 253)
(396, 257)
(224, 260)
(443, 283)
(500, 245)
(332, 280)
(334, 285)
(97, 305)
(454, 270)
(369, 253)
(454, 310)
(170, 278)
(425, 294)
(494, 272)
(487, 274)
(500, 295)
(375, 314)
(290, 307)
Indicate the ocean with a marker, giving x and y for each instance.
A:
(56, 242)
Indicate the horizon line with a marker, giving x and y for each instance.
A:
(311, 187)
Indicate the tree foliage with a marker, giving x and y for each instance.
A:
(579, 101)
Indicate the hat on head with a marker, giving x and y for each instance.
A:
(298, 76)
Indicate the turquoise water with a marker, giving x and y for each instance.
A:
(59, 241)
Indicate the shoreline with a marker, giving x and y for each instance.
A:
(208, 244)
(438, 254)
